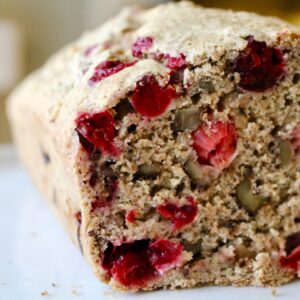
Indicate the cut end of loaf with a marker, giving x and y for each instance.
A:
(192, 177)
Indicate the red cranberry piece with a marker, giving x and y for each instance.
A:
(133, 269)
(292, 261)
(164, 255)
(108, 68)
(259, 66)
(135, 264)
(179, 215)
(292, 242)
(109, 257)
(215, 143)
(97, 131)
(150, 99)
(129, 263)
(86, 145)
(296, 139)
(175, 63)
(141, 45)
(114, 252)
(131, 216)
(78, 217)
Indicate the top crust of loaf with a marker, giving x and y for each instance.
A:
(59, 90)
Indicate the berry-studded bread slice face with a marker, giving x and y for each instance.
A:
(175, 142)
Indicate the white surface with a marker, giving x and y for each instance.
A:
(35, 252)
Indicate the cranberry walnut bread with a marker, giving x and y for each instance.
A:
(168, 142)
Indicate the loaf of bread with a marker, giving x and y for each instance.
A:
(168, 143)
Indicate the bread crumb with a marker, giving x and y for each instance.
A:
(274, 291)
(75, 293)
(45, 293)
(109, 294)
